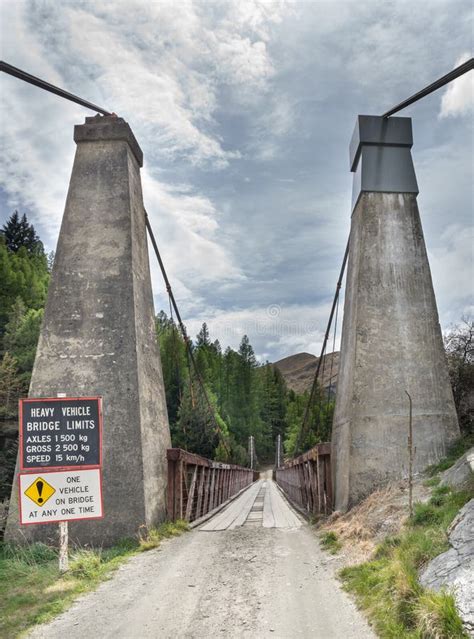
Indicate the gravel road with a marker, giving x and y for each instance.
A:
(248, 582)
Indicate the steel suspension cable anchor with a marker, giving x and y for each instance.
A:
(217, 428)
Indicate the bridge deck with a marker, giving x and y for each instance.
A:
(255, 581)
(261, 504)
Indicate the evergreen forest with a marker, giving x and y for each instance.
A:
(247, 397)
(242, 398)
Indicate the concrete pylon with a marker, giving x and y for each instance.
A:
(98, 334)
(391, 338)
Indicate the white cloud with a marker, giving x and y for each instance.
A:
(452, 267)
(282, 330)
(36, 131)
(458, 99)
(158, 64)
(189, 222)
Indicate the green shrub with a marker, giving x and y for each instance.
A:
(32, 554)
(330, 542)
(456, 451)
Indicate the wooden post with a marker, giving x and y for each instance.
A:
(180, 467)
(192, 490)
(410, 456)
(171, 490)
(212, 497)
(63, 547)
(318, 481)
(329, 496)
(202, 478)
(63, 535)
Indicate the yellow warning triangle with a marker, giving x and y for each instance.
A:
(40, 491)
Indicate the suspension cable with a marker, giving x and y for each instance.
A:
(434, 86)
(187, 341)
(332, 358)
(51, 88)
(302, 431)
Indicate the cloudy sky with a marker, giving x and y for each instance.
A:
(244, 111)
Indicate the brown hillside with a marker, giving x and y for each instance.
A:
(299, 370)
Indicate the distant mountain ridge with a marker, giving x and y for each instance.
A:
(298, 370)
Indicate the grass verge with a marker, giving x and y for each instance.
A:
(330, 542)
(32, 590)
(455, 452)
(387, 586)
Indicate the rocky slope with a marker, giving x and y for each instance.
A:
(454, 569)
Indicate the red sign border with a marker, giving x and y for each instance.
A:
(57, 468)
(55, 521)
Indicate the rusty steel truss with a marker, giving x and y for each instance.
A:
(306, 480)
(197, 486)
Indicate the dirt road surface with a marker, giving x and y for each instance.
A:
(250, 581)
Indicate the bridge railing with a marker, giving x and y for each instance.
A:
(306, 480)
(197, 485)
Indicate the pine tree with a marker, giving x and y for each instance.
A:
(21, 338)
(202, 338)
(248, 399)
(195, 428)
(23, 275)
(11, 387)
(273, 406)
(19, 232)
(173, 362)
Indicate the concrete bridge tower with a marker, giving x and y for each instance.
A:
(391, 338)
(98, 334)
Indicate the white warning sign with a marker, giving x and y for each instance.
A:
(60, 496)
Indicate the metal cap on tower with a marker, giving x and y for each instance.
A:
(380, 156)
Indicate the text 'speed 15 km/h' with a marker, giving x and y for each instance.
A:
(60, 433)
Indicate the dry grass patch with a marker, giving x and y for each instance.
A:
(382, 513)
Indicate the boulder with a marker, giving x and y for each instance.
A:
(461, 475)
(454, 569)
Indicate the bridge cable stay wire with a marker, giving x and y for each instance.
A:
(318, 415)
(434, 86)
(332, 358)
(187, 341)
(321, 390)
(302, 430)
(51, 88)
(174, 330)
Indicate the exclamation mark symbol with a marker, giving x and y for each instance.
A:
(39, 487)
